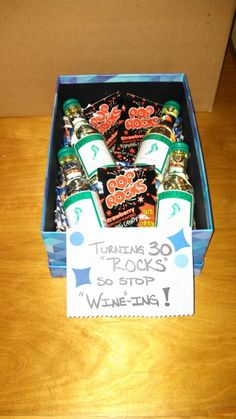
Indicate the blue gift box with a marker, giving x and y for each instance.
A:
(158, 88)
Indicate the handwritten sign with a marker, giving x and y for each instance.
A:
(138, 272)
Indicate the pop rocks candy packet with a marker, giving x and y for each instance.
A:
(128, 195)
(137, 117)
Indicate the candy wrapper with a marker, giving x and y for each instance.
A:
(68, 132)
(60, 216)
(178, 129)
(128, 195)
(137, 117)
(104, 115)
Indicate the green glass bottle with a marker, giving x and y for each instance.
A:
(157, 141)
(89, 144)
(176, 194)
(72, 171)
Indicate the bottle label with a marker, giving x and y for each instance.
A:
(83, 209)
(175, 208)
(93, 153)
(154, 150)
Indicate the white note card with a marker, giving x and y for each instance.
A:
(138, 272)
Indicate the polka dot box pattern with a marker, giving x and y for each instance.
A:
(156, 87)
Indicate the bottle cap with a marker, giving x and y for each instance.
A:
(65, 151)
(172, 104)
(70, 102)
(181, 146)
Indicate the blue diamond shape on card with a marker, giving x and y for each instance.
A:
(81, 276)
(178, 240)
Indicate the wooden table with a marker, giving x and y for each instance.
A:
(103, 368)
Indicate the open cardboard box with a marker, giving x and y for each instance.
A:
(158, 88)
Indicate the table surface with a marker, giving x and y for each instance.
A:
(102, 368)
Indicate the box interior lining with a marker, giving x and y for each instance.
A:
(92, 92)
